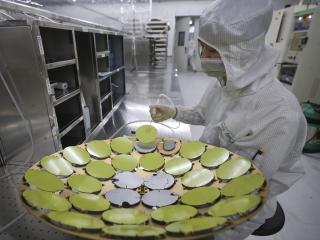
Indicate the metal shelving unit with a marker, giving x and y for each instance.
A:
(157, 32)
(57, 48)
(102, 53)
(83, 74)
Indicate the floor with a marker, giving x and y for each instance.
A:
(300, 203)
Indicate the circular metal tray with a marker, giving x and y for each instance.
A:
(177, 189)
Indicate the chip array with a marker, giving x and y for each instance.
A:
(107, 189)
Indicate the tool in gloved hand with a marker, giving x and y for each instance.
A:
(161, 113)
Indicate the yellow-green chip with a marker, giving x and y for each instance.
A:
(192, 149)
(197, 178)
(125, 216)
(99, 169)
(76, 155)
(233, 168)
(43, 180)
(56, 165)
(178, 166)
(84, 183)
(89, 202)
(121, 145)
(151, 161)
(134, 231)
(196, 225)
(234, 206)
(98, 149)
(214, 157)
(173, 213)
(45, 200)
(76, 220)
(243, 185)
(124, 162)
(201, 196)
(146, 134)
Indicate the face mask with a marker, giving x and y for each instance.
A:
(214, 68)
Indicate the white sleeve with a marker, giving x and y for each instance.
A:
(282, 143)
(197, 115)
(192, 116)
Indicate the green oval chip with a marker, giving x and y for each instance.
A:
(124, 162)
(99, 169)
(134, 231)
(43, 180)
(178, 166)
(243, 185)
(151, 161)
(84, 183)
(197, 178)
(125, 216)
(233, 168)
(121, 145)
(146, 134)
(173, 213)
(195, 225)
(76, 155)
(236, 205)
(98, 149)
(200, 196)
(89, 202)
(46, 200)
(76, 220)
(214, 157)
(192, 149)
(56, 165)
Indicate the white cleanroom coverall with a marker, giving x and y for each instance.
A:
(253, 111)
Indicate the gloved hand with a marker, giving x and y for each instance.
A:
(161, 113)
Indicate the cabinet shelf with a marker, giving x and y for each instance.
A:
(101, 42)
(105, 97)
(106, 106)
(68, 111)
(71, 126)
(57, 44)
(105, 75)
(102, 54)
(74, 135)
(66, 97)
(61, 64)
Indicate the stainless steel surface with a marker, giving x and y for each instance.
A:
(88, 75)
(19, 67)
(18, 64)
(61, 64)
(137, 53)
(66, 97)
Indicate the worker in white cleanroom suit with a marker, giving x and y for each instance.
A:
(250, 109)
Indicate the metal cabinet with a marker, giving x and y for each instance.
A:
(21, 85)
(78, 69)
